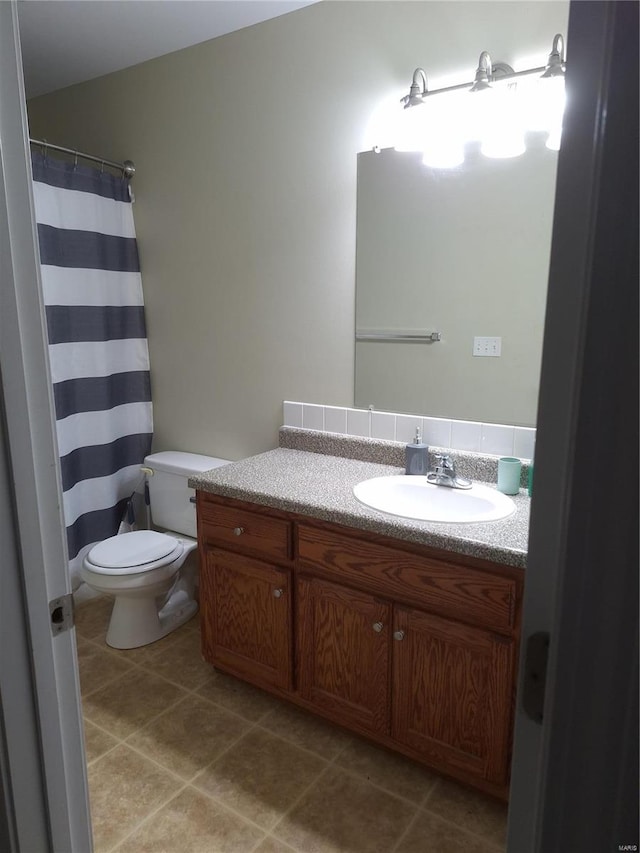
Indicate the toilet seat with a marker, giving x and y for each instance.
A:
(133, 553)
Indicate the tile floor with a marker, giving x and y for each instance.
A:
(183, 758)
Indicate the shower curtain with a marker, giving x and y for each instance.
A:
(97, 345)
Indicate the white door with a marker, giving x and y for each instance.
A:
(41, 747)
(575, 771)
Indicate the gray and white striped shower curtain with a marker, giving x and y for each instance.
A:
(97, 345)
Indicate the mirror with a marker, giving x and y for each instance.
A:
(463, 252)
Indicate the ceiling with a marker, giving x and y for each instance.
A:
(69, 41)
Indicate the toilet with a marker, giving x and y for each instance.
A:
(152, 575)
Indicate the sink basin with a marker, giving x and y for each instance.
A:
(414, 497)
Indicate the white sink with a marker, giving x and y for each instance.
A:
(414, 497)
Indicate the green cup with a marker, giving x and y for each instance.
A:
(509, 470)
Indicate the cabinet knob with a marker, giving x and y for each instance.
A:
(278, 593)
(398, 635)
(238, 531)
(377, 627)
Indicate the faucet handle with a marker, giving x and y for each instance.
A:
(445, 462)
(444, 473)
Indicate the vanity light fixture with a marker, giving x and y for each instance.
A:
(418, 89)
(499, 117)
(556, 65)
(483, 73)
(554, 73)
(487, 72)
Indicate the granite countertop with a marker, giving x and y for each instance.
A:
(321, 486)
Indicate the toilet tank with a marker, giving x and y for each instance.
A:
(171, 507)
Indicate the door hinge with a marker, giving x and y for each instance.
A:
(61, 613)
(535, 675)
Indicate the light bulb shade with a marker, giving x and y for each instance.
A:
(501, 129)
(503, 145)
(443, 146)
(554, 139)
(443, 156)
(543, 103)
(411, 129)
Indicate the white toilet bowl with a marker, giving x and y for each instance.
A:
(152, 575)
(142, 570)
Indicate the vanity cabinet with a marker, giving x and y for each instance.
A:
(452, 690)
(246, 602)
(449, 660)
(412, 647)
(246, 617)
(343, 653)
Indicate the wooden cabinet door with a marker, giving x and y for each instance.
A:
(452, 699)
(343, 653)
(246, 617)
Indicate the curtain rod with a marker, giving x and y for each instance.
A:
(127, 168)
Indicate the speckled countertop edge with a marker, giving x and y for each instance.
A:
(320, 486)
(482, 467)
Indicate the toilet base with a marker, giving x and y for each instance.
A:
(137, 622)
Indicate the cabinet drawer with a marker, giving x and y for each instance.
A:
(476, 597)
(247, 531)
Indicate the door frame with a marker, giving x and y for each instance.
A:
(574, 775)
(44, 782)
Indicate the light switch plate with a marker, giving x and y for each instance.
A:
(483, 346)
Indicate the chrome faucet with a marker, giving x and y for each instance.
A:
(444, 474)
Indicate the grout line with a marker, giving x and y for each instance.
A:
(330, 764)
(174, 683)
(90, 640)
(106, 683)
(142, 725)
(254, 726)
(118, 741)
(363, 778)
(301, 796)
(226, 807)
(404, 834)
(304, 749)
(102, 729)
(286, 849)
(213, 761)
(435, 785)
(429, 792)
(111, 749)
(157, 763)
(142, 755)
(146, 818)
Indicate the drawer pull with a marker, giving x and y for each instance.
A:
(238, 531)
(278, 593)
(398, 635)
(377, 627)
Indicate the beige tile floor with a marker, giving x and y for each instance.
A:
(183, 758)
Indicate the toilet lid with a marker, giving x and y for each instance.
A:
(128, 550)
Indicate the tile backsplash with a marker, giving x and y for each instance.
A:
(495, 439)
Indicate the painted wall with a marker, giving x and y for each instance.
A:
(246, 194)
